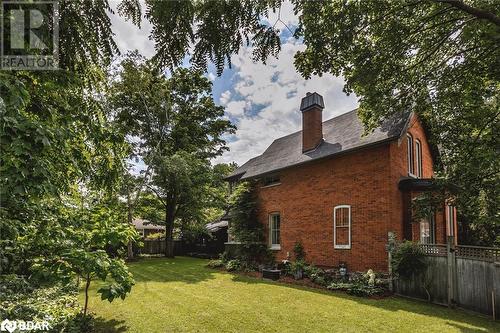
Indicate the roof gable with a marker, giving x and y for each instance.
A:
(340, 134)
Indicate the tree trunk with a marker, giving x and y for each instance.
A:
(87, 285)
(130, 249)
(169, 229)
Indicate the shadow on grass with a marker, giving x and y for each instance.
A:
(396, 303)
(102, 325)
(178, 269)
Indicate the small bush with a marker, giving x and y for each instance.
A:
(217, 263)
(155, 236)
(233, 265)
(362, 290)
(340, 286)
(298, 250)
(225, 257)
(356, 288)
(311, 270)
(57, 304)
(407, 259)
(318, 279)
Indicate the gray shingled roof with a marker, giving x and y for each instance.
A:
(341, 134)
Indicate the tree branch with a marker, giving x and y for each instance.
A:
(157, 194)
(477, 12)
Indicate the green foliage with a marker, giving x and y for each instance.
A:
(180, 25)
(298, 250)
(408, 259)
(155, 236)
(233, 265)
(217, 263)
(363, 290)
(358, 287)
(57, 304)
(180, 130)
(245, 226)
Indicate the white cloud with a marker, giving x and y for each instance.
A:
(225, 97)
(271, 96)
(128, 36)
(211, 76)
(283, 17)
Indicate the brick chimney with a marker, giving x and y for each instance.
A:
(311, 107)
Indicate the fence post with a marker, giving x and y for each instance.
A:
(450, 261)
(390, 246)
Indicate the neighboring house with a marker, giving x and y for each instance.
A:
(145, 228)
(340, 193)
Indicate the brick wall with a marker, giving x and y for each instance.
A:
(306, 199)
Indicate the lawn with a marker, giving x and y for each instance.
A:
(181, 295)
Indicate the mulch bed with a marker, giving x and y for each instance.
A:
(305, 282)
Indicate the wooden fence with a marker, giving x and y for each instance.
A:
(157, 246)
(464, 276)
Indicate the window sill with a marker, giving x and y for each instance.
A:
(271, 185)
(275, 247)
(342, 247)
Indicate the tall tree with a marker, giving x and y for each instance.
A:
(179, 129)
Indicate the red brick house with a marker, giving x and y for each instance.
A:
(340, 193)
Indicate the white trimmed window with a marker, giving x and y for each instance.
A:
(411, 165)
(418, 152)
(450, 217)
(274, 231)
(342, 227)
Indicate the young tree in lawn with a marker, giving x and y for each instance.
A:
(179, 129)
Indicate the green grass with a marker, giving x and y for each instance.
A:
(181, 295)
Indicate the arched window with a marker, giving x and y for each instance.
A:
(418, 152)
(342, 227)
(411, 165)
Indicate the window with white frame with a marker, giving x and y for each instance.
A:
(450, 217)
(411, 165)
(418, 152)
(274, 231)
(342, 227)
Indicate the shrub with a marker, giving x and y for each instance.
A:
(407, 259)
(225, 257)
(318, 279)
(356, 288)
(217, 263)
(298, 251)
(156, 236)
(57, 304)
(311, 270)
(233, 265)
(340, 286)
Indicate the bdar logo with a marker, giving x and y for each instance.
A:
(8, 325)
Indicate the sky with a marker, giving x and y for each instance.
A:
(261, 100)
